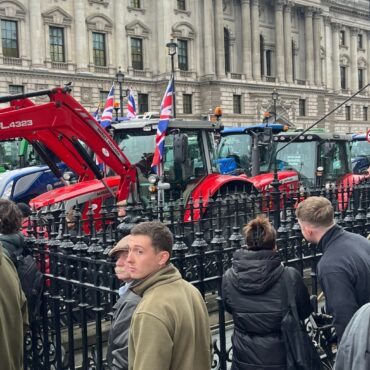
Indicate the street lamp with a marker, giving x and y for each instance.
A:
(172, 49)
(120, 76)
(275, 97)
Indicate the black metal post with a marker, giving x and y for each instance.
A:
(173, 86)
(120, 98)
(274, 110)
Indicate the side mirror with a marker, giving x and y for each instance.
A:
(266, 135)
(180, 147)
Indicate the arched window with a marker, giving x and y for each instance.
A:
(227, 49)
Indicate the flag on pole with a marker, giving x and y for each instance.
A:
(131, 106)
(165, 115)
(106, 117)
(96, 113)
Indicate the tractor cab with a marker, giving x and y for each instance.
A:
(189, 155)
(360, 153)
(247, 149)
(319, 158)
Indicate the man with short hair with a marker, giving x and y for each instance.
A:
(344, 268)
(170, 326)
(117, 354)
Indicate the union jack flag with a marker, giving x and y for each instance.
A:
(96, 113)
(106, 117)
(131, 106)
(165, 115)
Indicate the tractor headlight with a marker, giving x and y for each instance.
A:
(153, 179)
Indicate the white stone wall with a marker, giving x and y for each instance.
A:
(312, 27)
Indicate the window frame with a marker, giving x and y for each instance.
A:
(187, 103)
(11, 40)
(348, 112)
(141, 104)
(60, 47)
(137, 54)
(343, 77)
(237, 104)
(99, 54)
(183, 58)
(342, 38)
(302, 107)
(365, 113)
(17, 89)
(181, 4)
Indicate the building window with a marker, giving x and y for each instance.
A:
(262, 48)
(302, 107)
(342, 37)
(183, 55)
(16, 89)
(56, 40)
(181, 5)
(9, 35)
(268, 63)
(136, 4)
(143, 105)
(237, 104)
(365, 116)
(187, 103)
(102, 98)
(348, 112)
(227, 49)
(360, 78)
(99, 50)
(137, 53)
(360, 44)
(343, 80)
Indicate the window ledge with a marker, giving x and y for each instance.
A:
(132, 9)
(105, 3)
(179, 11)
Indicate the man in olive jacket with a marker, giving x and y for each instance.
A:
(170, 326)
(13, 316)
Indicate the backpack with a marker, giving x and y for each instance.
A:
(32, 282)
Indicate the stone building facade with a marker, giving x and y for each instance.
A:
(232, 53)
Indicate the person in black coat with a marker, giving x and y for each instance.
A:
(344, 268)
(252, 291)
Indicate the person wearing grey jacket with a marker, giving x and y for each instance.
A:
(117, 354)
(354, 349)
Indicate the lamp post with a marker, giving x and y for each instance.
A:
(172, 49)
(275, 97)
(120, 76)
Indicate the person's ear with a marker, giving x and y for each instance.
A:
(163, 258)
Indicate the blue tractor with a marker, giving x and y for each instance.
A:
(360, 153)
(246, 149)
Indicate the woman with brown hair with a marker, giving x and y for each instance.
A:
(252, 290)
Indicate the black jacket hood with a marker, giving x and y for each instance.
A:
(253, 272)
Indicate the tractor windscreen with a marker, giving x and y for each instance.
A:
(300, 157)
(359, 148)
(238, 148)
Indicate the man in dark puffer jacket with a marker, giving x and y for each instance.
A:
(252, 291)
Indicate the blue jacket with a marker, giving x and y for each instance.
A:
(344, 274)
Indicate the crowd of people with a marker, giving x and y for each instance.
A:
(161, 321)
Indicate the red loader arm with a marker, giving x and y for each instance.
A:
(60, 125)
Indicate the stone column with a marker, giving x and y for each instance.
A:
(219, 37)
(247, 39)
(335, 39)
(209, 45)
(35, 33)
(288, 43)
(309, 46)
(256, 63)
(81, 39)
(119, 34)
(353, 53)
(364, 43)
(279, 40)
(328, 75)
(317, 47)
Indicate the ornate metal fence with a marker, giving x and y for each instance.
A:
(81, 289)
